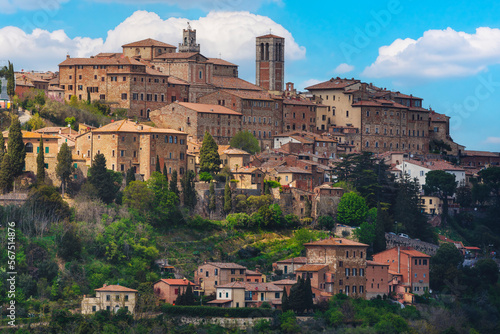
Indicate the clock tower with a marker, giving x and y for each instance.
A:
(189, 41)
(270, 62)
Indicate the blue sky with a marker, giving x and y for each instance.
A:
(447, 52)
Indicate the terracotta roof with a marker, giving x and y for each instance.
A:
(234, 83)
(218, 61)
(336, 242)
(220, 301)
(227, 265)
(129, 126)
(233, 285)
(51, 129)
(269, 36)
(30, 134)
(392, 272)
(178, 55)
(177, 81)
(261, 287)
(436, 165)
(245, 170)
(284, 282)
(148, 42)
(482, 154)
(298, 102)
(252, 273)
(109, 54)
(413, 253)
(405, 96)
(232, 150)
(118, 288)
(294, 170)
(333, 84)
(379, 103)
(100, 61)
(250, 95)
(173, 281)
(209, 108)
(312, 267)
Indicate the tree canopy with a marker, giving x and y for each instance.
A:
(64, 168)
(16, 148)
(246, 141)
(352, 209)
(209, 155)
(443, 184)
(102, 180)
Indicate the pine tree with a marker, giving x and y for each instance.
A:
(101, 179)
(158, 166)
(16, 148)
(209, 155)
(189, 299)
(64, 168)
(228, 203)
(40, 164)
(308, 295)
(379, 242)
(212, 200)
(173, 183)
(6, 175)
(165, 173)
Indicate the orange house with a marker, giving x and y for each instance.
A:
(168, 290)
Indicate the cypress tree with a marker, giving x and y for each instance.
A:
(11, 81)
(165, 173)
(209, 155)
(16, 148)
(188, 191)
(158, 167)
(6, 175)
(228, 203)
(189, 299)
(2, 146)
(130, 176)
(284, 301)
(101, 179)
(64, 167)
(308, 295)
(173, 183)
(40, 164)
(212, 200)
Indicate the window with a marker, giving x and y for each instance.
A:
(94, 308)
(117, 298)
(425, 262)
(347, 271)
(341, 263)
(361, 272)
(108, 298)
(124, 96)
(46, 149)
(206, 273)
(347, 254)
(122, 153)
(353, 289)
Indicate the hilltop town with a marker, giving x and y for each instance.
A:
(152, 179)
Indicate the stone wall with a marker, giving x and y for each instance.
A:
(392, 240)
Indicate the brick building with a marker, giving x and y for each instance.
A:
(270, 62)
(127, 144)
(299, 115)
(197, 118)
(346, 261)
(210, 275)
(412, 265)
(168, 290)
(377, 279)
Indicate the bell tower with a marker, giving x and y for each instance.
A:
(189, 40)
(270, 62)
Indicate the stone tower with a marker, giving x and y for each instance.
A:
(189, 41)
(270, 62)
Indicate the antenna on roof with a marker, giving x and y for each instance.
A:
(189, 26)
(270, 31)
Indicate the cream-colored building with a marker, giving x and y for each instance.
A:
(111, 298)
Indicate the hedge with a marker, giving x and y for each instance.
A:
(212, 311)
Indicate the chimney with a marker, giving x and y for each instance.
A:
(68, 56)
(104, 285)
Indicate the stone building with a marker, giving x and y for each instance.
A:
(168, 290)
(346, 261)
(197, 118)
(299, 115)
(129, 145)
(377, 279)
(213, 274)
(111, 298)
(270, 62)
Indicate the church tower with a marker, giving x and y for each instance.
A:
(270, 62)
(189, 41)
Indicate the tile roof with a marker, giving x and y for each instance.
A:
(226, 265)
(335, 242)
(234, 83)
(232, 150)
(218, 61)
(179, 55)
(148, 42)
(129, 126)
(294, 170)
(209, 108)
(249, 95)
(298, 260)
(269, 36)
(173, 281)
(482, 153)
(379, 103)
(233, 285)
(249, 286)
(30, 134)
(118, 288)
(333, 84)
(436, 165)
(100, 61)
(299, 102)
(312, 267)
(414, 253)
(252, 273)
(109, 54)
(405, 96)
(284, 282)
(177, 81)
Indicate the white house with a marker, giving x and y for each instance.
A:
(419, 169)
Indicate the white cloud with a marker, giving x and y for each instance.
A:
(343, 68)
(492, 140)
(232, 34)
(438, 54)
(307, 83)
(11, 6)
(206, 5)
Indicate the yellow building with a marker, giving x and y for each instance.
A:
(111, 298)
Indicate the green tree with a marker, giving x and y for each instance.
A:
(308, 295)
(352, 209)
(209, 155)
(188, 189)
(173, 183)
(491, 178)
(228, 202)
(130, 176)
(11, 81)
(16, 148)
(40, 164)
(71, 121)
(158, 166)
(6, 174)
(442, 184)
(36, 122)
(366, 233)
(187, 298)
(70, 246)
(212, 200)
(102, 180)
(64, 168)
(165, 204)
(2, 145)
(165, 172)
(383, 219)
(308, 208)
(464, 196)
(246, 141)
(139, 196)
(444, 266)
(284, 301)
(205, 177)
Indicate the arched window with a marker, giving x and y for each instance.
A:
(267, 51)
(262, 51)
(137, 51)
(170, 139)
(29, 148)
